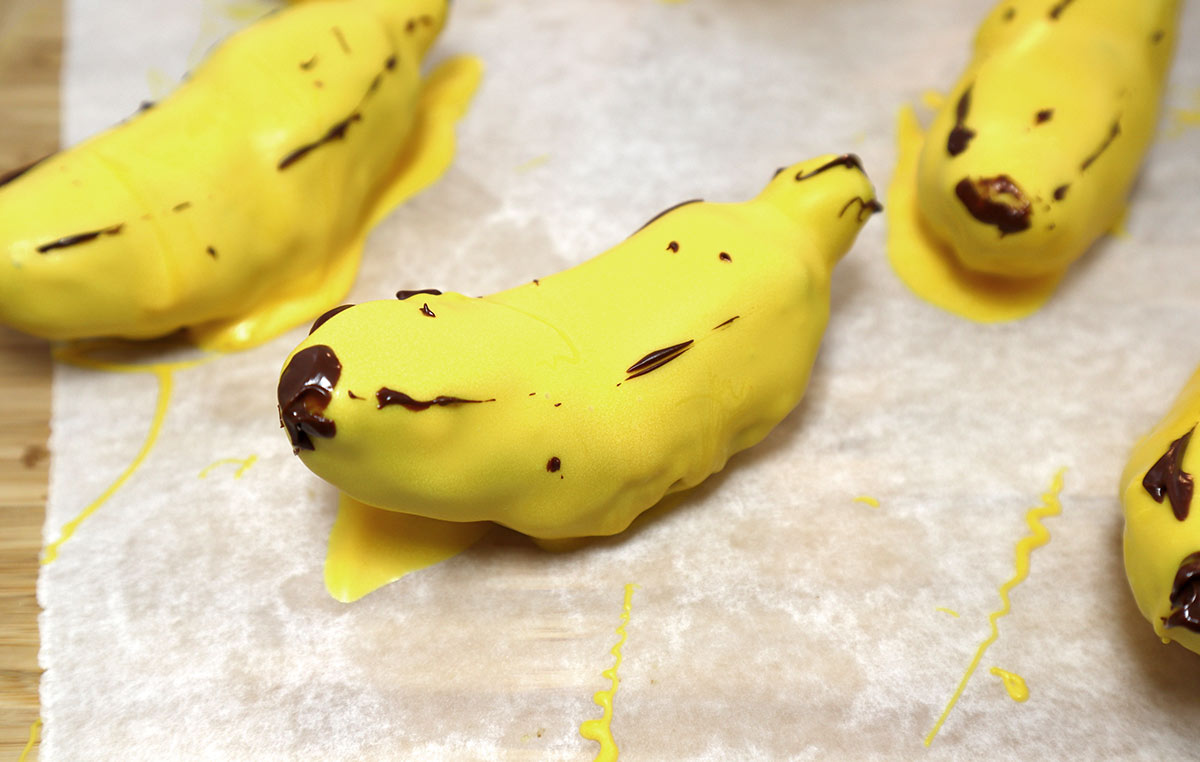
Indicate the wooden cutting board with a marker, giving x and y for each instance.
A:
(30, 56)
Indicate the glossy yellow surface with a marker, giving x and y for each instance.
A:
(1060, 98)
(1155, 541)
(237, 206)
(564, 441)
(1014, 684)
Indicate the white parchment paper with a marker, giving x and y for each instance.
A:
(774, 617)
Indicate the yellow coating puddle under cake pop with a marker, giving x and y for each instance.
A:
(1013, 683)
(600, 730)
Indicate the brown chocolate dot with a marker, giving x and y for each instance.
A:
(1061, 192)
(673, 246)
(1043, 116)
(426, 311)
(725, 257)
(211, 252)
(553, 465)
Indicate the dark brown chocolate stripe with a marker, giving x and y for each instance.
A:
(1167, 479)
(778, 172)
(402, 295)
(336, 132)
(426, 311)
(985, 199)
(668, 210)
(1185, 595)
(1057, 10)
(553, 465)
(13, 174)
(1113, 132)
(325, 317)
(727, 322)
(386, 397)
(961, 135)
(337, 32)
(865, 207)
(1061, 192)
(305, 390)
(848, 160)
(657, 359)
(350, 393)
(78, 238)
(1043, 116)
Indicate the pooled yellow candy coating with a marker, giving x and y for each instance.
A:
(567, 406)
(1162, 522)
(1031, 157)
(237, 206)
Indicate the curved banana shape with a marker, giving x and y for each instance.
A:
(1162, 522)
(237, 206)
(567, 406)
(1030, 159)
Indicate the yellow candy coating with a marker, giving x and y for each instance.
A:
(567, 406)
(1158, 544)
(1031, 157)
(235, 207)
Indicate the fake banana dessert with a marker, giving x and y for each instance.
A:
(1162, 525)
(567, 406)
(1030, 159)
(236, 207)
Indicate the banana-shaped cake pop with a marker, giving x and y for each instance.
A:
(567, 406)
(237, 206)
(1162, 522)
(1030, 159)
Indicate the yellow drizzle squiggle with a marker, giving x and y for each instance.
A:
(75, 355)
(34, 732)
(600, 730)
(868, 500)
(945, 610)
(1025, 546)
(1013, 683)
(243, 463)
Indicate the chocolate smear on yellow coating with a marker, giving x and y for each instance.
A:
(1113, 132)
(996, 201)
(321, 320)
(1167, 479)
(78, 238)
(385, 397)
(305, 390)
(336, 132)
(960, 137)
(1185, 596)
(402, 295)
(657, 359)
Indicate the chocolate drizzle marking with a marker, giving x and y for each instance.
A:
(322, 320)
(848, 160)
(724, 257)
(13, 174)
(669, 209)
(995, 201)
(305, 390)
(865, 207)
(673, 246)
(145, 106)
(1185, 595)
(390, 63)
(553, 464)
(1167, 479)
(1113, 132)
(1043, 116)
(78, 238)
(336, 132)
(727, 322)
(211, 252)
(181, 206)
(1057, 10)
(386, 397)
(1156, 37)
(306, 65)
(402, 295)
(426, 311)
(657, 359)
(961, 135)
(341, 40)
(1061, 192)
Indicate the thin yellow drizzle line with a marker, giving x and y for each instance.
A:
(245, 464)
(533, 163)
(1025, 546)
(600, 730)
(1013, 683)
(34, 732)
(945, 610)
(868, 500)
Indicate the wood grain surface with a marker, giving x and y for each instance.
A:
(30, 61)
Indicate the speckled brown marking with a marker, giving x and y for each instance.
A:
(390, 63)
(1185, 595)
(1058, 8)
(961, 135)
(1113, 132)
(353, 396)
(146, 106)
(1167, 479)
(386, 397)
(724, 257)
(673, 246)
(182, 206)
(668, 210)
(1010, 14)
(727, 322)
(1043, 116)
(341, 38)
(336, 132)
(553, 465)
(211, 251)
(537, 282)
(78, 238)
(1061, 192)
(1157, 37)
(557, 404)
(306, 65)
(426, 311)
(996, 201)
(402, 295)
(305, 390)
(325, 317)
(657, 359)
